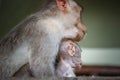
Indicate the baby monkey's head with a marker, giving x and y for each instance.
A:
(70, 53)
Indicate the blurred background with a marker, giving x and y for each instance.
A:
(101, 47)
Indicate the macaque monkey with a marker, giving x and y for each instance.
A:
(69, 59)
(36, 40)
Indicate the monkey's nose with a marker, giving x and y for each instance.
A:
(83, 29)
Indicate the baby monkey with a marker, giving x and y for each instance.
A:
(69, 59)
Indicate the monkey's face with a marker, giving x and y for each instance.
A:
(76, 10)
(71, 53)
(72, 19)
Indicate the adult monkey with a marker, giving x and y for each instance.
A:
(36, 40)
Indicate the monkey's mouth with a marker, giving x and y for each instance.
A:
(81, 35)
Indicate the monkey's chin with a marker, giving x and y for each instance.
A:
(78, 38)
(82, 37)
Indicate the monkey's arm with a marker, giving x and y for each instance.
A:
(44, 54)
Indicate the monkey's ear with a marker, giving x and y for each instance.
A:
(62, 5)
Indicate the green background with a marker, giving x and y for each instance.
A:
(101, 17)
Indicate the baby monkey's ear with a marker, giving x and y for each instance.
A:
(62, 5)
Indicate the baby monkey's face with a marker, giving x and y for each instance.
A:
(70, 52)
